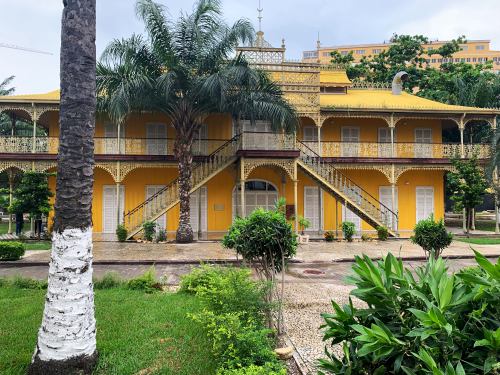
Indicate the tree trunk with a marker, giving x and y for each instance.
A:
(185, 159)
(67, 337)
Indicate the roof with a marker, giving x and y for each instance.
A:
(52, 96)
(372, 99)
(334, 78)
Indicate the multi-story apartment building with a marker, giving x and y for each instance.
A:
(473, 52)
(363, 154)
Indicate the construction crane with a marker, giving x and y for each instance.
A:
(13, 46)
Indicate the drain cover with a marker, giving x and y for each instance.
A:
(313, 272)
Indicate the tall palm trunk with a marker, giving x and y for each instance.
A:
(185, 159)
(67, 337)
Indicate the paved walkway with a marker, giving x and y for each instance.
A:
(310, 253)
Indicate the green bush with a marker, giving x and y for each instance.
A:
(329, 236)
(349, 230)
(417, 322)
(365, 237)
(109, 280)
(161, 236)
(149, 228)
(121, 233)
(11, 250)
(28, 283)
(267, 369)
(432, 236)
(382, 233)
(146, 282)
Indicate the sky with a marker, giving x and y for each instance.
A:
(35, 24)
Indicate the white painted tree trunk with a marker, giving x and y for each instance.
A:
(68, 327)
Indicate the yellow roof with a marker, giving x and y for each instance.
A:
(334, 78)
(52, 96)
(371, 99)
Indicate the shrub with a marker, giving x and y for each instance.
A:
(365, 237)
(329, 236)
(304, 224)
(349, 230)
(382, 233)
(161, 236)
(109, 280)
(146, 282)
(121, 233)
(432, 236)
(417, 322)
(149, 228)
(28, 283)
(267, 369)
(11, 250)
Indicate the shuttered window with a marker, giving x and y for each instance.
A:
(156, 143)
(350, 141)
(109, 219)
(195, 209)
(311, 206)
(425, 202)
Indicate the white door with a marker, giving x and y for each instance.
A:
(156, 143)
(258, 194)
(194, 209)
(354, 194)
(350, 141)
(258, 136)
(200, 144)
(425, 202)
(110, 144)
(161, 222)
(423, 143)
(109, 218)
(384, 142)
(310, 138)
(385, 198)
(312, 209)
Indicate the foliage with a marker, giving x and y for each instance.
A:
(108, 281)
(27, 283)
(121, 232)
(146, 282)
(304, 224)
(11, 250)
(233, 317)
(432, 323)
(32, 194)
(4, 89)
(382, 233)
(349, 230)
(365, 237)
(267, 369)
(467, 186)
(329, 236)
(263, 237)
(432, 236)
(149, 228)
(161, 236)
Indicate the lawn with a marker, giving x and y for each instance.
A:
(480, 225)
(136, 331)
(480, 240)
(38, 245)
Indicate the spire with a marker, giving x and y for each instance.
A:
(318, 47)
(260, 9)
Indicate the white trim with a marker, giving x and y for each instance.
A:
(417, 188)
(122, 207)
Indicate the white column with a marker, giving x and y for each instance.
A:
(393, 198)
(393, 150)
(118, 218)
(319, 141)
(462, 147)
(320, 210)
(295, 202)
(11, 185)
(242, 187)
(200, 231)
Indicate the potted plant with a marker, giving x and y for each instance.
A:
(329, 236)
(303, 224)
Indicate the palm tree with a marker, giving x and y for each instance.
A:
(186, 70)
(4, 90)
(67, 337)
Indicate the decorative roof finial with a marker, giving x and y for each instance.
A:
(318, 42)
(260, 9)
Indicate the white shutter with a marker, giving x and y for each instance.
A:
(385, 198)
(200, 144)
(350, 141)
(311, 206)
(152, 206)
(425, 202)
(109, 208)
(156, 143)
(110, 136)
(423, 140)
(384, 139)
(193, 206)
(354, 194)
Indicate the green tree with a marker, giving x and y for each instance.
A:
(4, 86)
(467, 187)
(186, 70)
(32, 195)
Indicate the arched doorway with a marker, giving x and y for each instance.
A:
(258, 194)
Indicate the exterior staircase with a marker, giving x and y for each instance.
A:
(159, 203)
(343, 189)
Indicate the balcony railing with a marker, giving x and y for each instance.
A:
(252, 141)
(402, 150)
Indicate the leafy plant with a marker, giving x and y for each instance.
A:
(304, 224)
(329, 236)
(121, 232)
(146, 282)
(161, 236)
(11, 250)
(349, 230)
(365, 238)
(267, 369)
(149, 228)
(432, 236)
(417, 322)
(28, 283)
(382, 233)
(108, 281)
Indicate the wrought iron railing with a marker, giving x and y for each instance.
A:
(157, 204)
(357, 198)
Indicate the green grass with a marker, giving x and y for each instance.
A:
(480, 240)
(480, 225)
(38, 245)
(135, 331)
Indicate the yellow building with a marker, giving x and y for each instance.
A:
(361, 154)
(473, 52)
